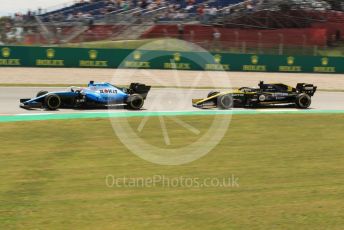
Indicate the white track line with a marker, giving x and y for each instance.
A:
(166, 112)
(33, 114)
(277, 110)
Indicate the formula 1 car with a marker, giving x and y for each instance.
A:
(95, 95)
(265, 94)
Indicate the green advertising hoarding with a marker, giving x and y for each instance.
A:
(21, 56)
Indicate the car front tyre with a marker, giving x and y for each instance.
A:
(52, 102)
(41, 93)
(225, 102)
(213, 93)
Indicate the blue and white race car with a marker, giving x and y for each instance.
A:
(95, 95)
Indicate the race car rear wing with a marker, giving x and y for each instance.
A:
(309, 89)
(141, 89)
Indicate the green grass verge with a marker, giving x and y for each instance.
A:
(172, 44)
(290, 170)
(164, 44)
(125, 44)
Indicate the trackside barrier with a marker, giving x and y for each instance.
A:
(21, 56)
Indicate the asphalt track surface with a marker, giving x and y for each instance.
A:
(159, 99)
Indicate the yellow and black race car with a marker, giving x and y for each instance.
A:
(265, 94)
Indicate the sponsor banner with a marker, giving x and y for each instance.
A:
(10, 57)
(280, 63)
(21, 56)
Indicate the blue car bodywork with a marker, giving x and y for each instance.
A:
(94, 95)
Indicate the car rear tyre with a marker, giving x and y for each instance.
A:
(303, 101)
(135, 102)
(52, 102)
(41, 93)
(225, 102)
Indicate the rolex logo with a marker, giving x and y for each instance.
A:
(290, 60)
(254, 59)
(6, 52)
(93, 54)
(324, 61)
(137, 55)
(217, 58)
(50, 53)
(177, 57)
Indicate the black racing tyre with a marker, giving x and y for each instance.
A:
(303, 101)
(41, 93)
(52, 102)
(135, 101)
(213, 93)
(225, 101)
